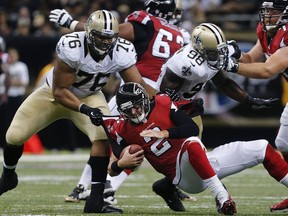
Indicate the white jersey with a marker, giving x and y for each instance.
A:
(189, 65)
(92, 76)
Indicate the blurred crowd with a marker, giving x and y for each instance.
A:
(30, 17)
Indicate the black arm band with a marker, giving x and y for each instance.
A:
(115, 167)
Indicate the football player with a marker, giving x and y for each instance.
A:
(205, 59)
(5, 59)
(155, 40)
(268, 58)
(168, 137)
(84, 62)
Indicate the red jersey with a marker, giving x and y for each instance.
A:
(161, 153)
(162, 41)
(278, 41)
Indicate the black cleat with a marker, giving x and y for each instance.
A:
(168, 192)
(185, 197)
(93, 206)
(8, 181)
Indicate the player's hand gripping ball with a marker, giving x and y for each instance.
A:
(133, 148)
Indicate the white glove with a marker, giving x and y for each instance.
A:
(232, 65)
(233, 49)
(62, 18)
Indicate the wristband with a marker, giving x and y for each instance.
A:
(115, 167)
(79, 107)
(73, 25)
(83, 108)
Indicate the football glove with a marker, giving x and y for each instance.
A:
(94, 114)
(172, 93)
(232, 65)
(62, 18)
(258, 103)
(234, 50)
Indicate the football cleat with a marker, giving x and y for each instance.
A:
(91, 207)
(227, 208)
(78, 193)
(8, 181)
(168, 192)
(185, 197)
(280, 207)
(108, 194)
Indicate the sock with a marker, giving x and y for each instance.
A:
(117, 181)
(274, 164)
(217, 189)
(11, 157)
(284, 181)
(85, 178)
(99, 172)
(199, 160)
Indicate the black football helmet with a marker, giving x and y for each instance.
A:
(102, 30)
(160, 8)
(132, 95)
(273, 14)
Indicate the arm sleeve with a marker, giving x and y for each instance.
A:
(185, 126)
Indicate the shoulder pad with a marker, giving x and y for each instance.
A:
(138, 16)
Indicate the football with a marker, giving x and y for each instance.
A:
(133, 149)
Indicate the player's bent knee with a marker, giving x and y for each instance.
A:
(16, 136)
(281, 144)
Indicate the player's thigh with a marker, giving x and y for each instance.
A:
(36, 112)
(186, 176)
(83, 122)
(281, 140)
(237, 156)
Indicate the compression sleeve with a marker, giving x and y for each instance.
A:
(185, 126)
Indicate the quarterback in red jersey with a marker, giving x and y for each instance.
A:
(168, 138)
(268, 58)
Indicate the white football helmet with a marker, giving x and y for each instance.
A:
(102, 30)
(209, 40)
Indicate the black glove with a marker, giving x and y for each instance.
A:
(234, 50)
(95, 114)
(172, 93)
(232, 65)
(258, 103)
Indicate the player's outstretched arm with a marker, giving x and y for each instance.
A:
(64, 19)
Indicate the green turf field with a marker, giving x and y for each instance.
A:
(45, 180)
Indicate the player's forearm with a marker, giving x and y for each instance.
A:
(79, 26)
(66, 98)
(255, 70)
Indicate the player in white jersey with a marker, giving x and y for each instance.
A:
(84, 62)
(205, 59)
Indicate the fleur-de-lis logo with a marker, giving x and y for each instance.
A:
(186, 71)
(197, 39)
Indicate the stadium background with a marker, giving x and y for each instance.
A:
(224, 119)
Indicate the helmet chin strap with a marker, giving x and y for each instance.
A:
(139, 119)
